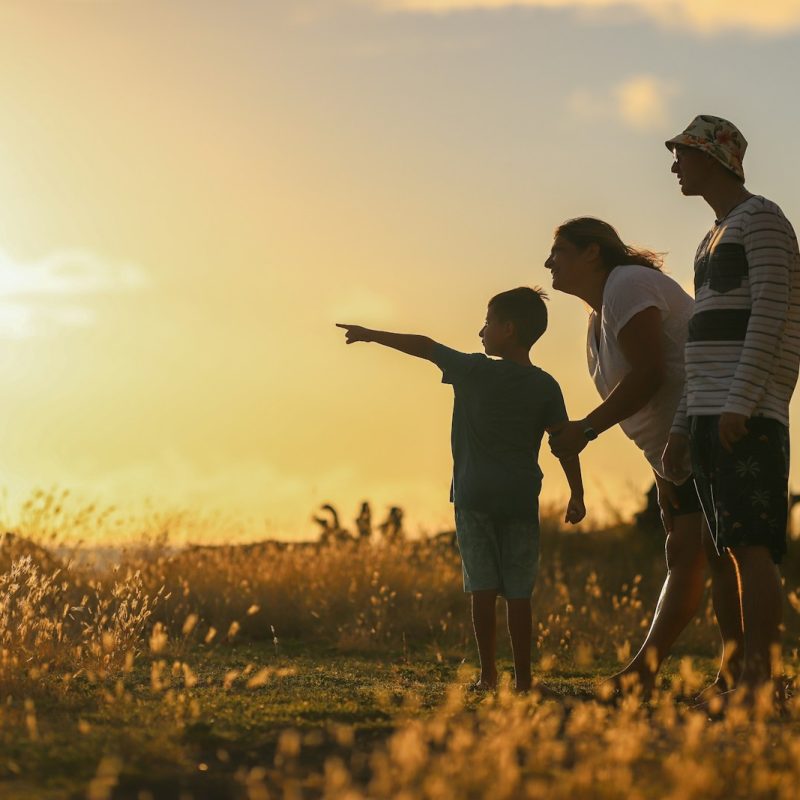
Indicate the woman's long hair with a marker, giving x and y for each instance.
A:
(583, 231)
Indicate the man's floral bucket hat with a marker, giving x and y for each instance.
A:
(717, 137)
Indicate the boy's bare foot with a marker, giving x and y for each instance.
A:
(485, 683)
(523, 685)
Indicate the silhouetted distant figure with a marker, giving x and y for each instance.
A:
(501, 411)
(331, 529)
(392, 527)
(364, 522)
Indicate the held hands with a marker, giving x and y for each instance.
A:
(567, 439)
(355, 333)
(732, 428)
(576, 510)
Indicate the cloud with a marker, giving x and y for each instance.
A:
(67, 272)
(22, 321)
(704, 16)
(640, 102)
(38, 296)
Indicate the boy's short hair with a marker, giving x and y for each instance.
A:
(526, 309)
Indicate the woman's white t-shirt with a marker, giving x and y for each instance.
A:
(629, 290)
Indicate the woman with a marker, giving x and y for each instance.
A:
(636, 336)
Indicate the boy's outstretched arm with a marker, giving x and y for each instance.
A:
(412, 344)
(576, 510)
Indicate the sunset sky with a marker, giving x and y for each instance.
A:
(193, 192)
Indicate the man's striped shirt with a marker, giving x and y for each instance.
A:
(743, 348)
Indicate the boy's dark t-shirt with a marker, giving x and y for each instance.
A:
(500, 413)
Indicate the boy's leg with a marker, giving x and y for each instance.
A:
(762, 609)
(520, 629)
(519, 549)
(678, 602)
(484, 622)
(477, 542)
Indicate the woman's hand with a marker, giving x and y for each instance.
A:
(667, 501)
(675, 456)
(576, 510)
(567, 439)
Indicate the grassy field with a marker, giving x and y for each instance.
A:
(340, 671)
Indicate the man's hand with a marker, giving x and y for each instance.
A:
(667, 502)
(675, 455)
(567, 439)
(732, 428)
(355, 333)
(576, 510)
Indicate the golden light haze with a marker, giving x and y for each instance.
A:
(193, 193)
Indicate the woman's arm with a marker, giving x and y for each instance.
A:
(640, 342)
(576, 510)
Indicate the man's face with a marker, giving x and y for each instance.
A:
(495, 334)
(693, 168)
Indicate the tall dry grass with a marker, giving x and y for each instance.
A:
(63, 618)
(594, 597)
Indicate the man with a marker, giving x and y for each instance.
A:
(742, 355)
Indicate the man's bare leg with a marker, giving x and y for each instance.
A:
(677, 604)
(762, 609)
(484, 623)
(520, 627)
(727, 608)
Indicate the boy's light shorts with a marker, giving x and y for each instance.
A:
(498, 553)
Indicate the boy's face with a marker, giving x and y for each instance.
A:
(495, 334)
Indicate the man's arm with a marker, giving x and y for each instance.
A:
(769, 247)
(640, 342)
(680, 422)
(412, 344)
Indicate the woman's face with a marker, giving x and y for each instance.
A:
(569, 265)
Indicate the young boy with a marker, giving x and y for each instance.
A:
(501, 411)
